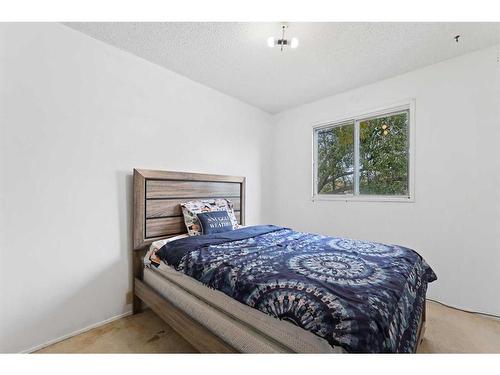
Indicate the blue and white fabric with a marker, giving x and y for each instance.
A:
(363, 296)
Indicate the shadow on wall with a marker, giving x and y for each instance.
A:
(125, 186)
(90, 303)
(85, 299)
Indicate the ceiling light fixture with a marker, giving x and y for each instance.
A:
(282, 43)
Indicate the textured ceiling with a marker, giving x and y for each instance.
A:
(331, 58)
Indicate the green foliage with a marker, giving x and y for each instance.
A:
(383, 157)
(336, 160)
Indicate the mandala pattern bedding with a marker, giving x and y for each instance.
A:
(363, 296)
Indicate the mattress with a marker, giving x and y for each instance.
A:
(244, 328)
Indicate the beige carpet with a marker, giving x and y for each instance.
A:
(448, 331)
(454, 331)
(141, 333)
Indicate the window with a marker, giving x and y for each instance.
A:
(367, 157)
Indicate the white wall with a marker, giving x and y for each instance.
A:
(455, 221)
(76, 116)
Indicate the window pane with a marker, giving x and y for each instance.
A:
(383, 155)
(336, 160)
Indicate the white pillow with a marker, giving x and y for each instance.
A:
(157, 245)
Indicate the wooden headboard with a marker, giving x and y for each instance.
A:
(158, 194)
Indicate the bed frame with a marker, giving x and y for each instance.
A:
(157, 215)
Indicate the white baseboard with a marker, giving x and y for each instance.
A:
(128, 313)
(88, 328)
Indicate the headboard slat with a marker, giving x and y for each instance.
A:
(164, 226)
(169, 226)
(190, 189)
(171, 207)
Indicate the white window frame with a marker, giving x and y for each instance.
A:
(409, 106)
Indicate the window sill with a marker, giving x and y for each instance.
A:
(352, 198)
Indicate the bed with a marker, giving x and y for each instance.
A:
(264, 272)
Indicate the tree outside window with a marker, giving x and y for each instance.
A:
(364, 156)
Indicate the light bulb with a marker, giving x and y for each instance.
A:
(294, 43)
(270, 41)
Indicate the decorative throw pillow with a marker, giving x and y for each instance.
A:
(215, 222)
(191, 209)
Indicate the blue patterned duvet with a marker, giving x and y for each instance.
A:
(363, 296)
